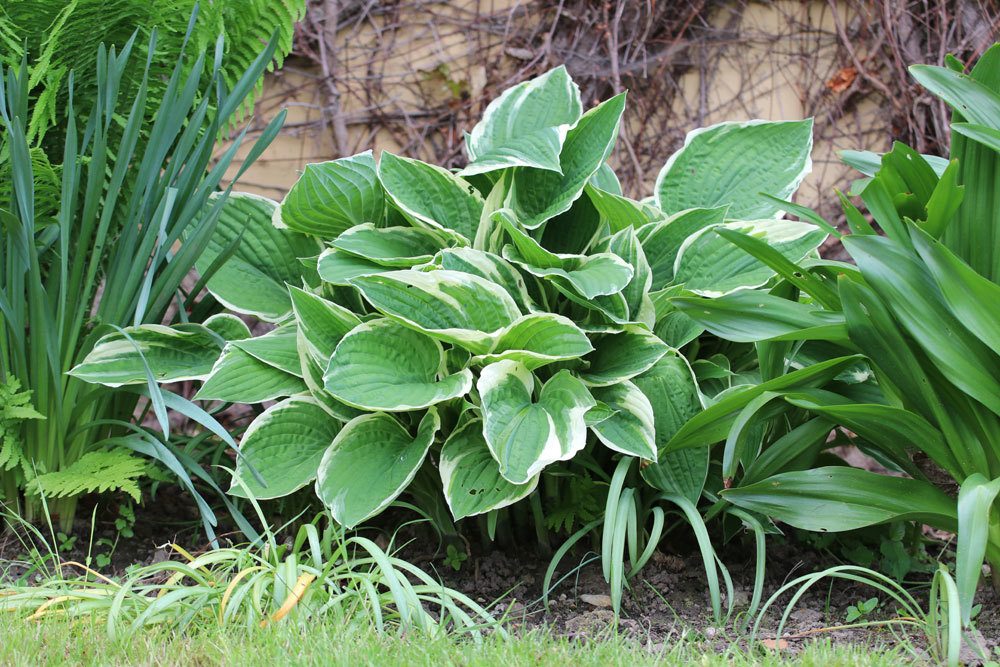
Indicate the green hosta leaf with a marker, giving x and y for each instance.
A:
(590, 276)
(750, 316)
(371, 461)
(284, 446)
(228, 326)
(626, 245)
(630, 429)
(331, 197)
(253, 279)
(393, 246)
(537, 195)
(621, 212)
(339, 268)
(677, 329)
(471, 476)
(382, 365)
(524, 435)
(312, 375)
(321, 322)
(539, 339)
(673, 393)
(173, 354)
(839, 498)
(709, 265)
(277, 348)
(457, 307)
(622, 356)
(489, 266)
(732, 163)
(430, 196)
(662, 241)
(526, 125)
(239, 377)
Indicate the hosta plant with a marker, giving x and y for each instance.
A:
(485, 333)
(920, 306)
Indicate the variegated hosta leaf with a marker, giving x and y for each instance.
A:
(526, 125)
(312, 375)
(625, 244)
(709, 265)
(590, 276)
(457, 307)
(277, 348)
(172, 354)
(283, 446)
(538, 195)
(331, 197)
(661, 241)
(430, 196)
(238, 377)
(630, 429)
(489, 266)
(228, 326)
(370, 463)
(253, 279)
(321, 322)
(471, 476)
(622, 356)
(621, 212)
(673, 393)
(393, 246)
(525, 435)
(732, 163)
(382, 365)
(339, 268)
(539, 339)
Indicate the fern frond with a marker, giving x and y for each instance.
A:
(15, 407)
(101, 471)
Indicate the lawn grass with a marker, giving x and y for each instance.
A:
(85, 642)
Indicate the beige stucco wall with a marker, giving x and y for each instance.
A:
(776, 73)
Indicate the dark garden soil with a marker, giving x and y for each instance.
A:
(668, 600)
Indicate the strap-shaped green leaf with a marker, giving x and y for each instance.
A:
(371, 461)
(630, 429)
(283, 446)
(838, 498)
(539, 339)
(537, 195)
(976, 499)
(471, 476)
(457, 307)
(430, 196)
(253, 279)
(525, 435)
(750, 316)
(331, 197)
(526, 125)
(732, 163)
(382, 365)
(238, 377)
(172, 354)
